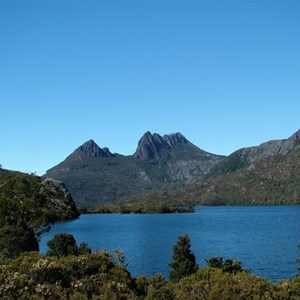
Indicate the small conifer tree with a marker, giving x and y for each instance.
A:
(184, 261)
(62, 244)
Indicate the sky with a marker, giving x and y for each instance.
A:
(226, 74)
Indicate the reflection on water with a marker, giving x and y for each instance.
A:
(264, 238)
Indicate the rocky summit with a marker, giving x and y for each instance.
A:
(95, 176)
(90, 149)
(154, 146)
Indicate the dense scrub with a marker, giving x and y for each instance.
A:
(98, 276)
(71, 272)
(34, 276)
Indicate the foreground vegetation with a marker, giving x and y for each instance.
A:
(71, 272)
(97, 276)
(28, 204)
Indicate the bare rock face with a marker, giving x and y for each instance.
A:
(154, 146)
(271, 148)
(89, 150)
(174, 139)
(59, 198)
(150, 147)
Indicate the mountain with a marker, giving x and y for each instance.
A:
(247, 157)
(95, 176)
(265, 174)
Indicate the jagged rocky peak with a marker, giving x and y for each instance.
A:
(149, 146)
(174, 139)
(90, 149)
(154, 146)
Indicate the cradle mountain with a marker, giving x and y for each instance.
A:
(170, 168)
(95, 176)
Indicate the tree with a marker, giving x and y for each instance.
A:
(63, 244)
(16, 233)
(215, 262)
(17, 237)
(227, 266)
(184, 261)
(84, 249)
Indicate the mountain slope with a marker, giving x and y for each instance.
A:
(246, 157)
(266, 174)
(95, 176)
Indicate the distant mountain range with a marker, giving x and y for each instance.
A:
(264, 174)
(95, 176)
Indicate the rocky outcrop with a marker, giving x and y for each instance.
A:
(49, 198)
(59, 199)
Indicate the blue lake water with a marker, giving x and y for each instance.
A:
(264, 238)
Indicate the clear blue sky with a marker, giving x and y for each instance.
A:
(226, 74)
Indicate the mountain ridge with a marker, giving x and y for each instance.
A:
(159, 162)
(263, 174)
(246, 156)
(269, 175)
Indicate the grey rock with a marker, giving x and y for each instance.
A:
(90, 150)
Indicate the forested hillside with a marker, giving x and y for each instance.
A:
(28, 205)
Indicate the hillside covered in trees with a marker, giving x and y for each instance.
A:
(28, 205)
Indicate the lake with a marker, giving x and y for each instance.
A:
(264, 238)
